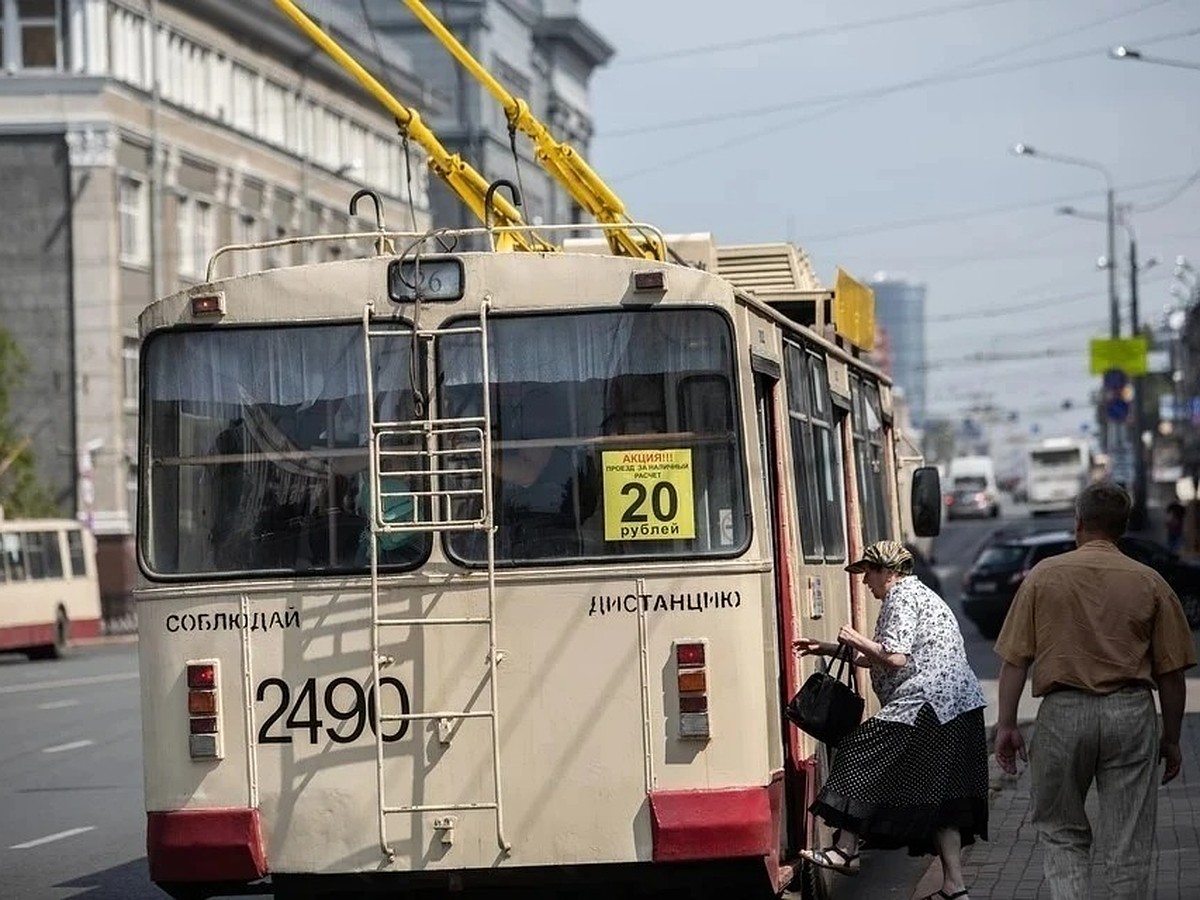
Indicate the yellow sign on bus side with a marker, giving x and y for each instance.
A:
(854, 311)
(648, 495)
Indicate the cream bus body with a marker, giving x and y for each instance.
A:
(48, 590)
(638, 678)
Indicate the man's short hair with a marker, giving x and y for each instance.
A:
(1103, 507)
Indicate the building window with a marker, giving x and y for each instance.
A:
(30, 37)
(246, 231)
(129, 358)
(194, 227)
(133, 210)
(244, 97)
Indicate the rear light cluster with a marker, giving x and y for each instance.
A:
(1018, 577)
(691, 670)
(204, 709)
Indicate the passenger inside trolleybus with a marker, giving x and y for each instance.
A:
(544, 489)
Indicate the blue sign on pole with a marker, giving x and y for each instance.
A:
(1116, 409)
(1116, 395)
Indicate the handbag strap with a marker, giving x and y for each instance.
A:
(845, 663)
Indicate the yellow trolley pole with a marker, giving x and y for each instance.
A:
(560, 160)
(468, 184)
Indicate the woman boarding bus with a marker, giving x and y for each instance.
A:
(605, 495)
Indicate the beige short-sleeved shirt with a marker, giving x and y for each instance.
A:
(1097, 621)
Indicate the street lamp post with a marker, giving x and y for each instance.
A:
(1107, 441)
(1123, 52)
(1114, 312)
(1137, 516)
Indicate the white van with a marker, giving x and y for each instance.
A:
(971, 488)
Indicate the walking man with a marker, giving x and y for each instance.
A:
(1101, 631)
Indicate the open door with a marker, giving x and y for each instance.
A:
(797, 777)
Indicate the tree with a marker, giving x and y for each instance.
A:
(22, 495)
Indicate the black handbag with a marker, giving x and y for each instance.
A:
(827, 707)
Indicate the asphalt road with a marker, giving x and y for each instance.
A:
(71, 818)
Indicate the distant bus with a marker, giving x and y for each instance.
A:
(49, 595)
(1057, 470)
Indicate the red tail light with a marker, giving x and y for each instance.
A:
(691, 680)
(204, 709)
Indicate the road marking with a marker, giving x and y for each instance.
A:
(66, 682)
(74, 745)
(58, 704)
(50, 838)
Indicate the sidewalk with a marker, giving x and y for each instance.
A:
(1009, 866)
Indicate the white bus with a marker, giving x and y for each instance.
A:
(1057, 469)
(553, 652)
(49, 595)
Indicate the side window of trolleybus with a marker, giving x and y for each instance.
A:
(817, 456)
(869, 461)
(257, 449)
(613, 434)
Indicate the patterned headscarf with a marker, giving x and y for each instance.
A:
(884, 554)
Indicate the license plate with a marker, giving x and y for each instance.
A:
(984, 587)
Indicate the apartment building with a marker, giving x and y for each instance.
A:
(136, 137)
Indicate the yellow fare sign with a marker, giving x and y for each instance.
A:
(648, 495)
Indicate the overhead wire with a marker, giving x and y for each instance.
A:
(987, 212)
(820, 31)
(837, 103)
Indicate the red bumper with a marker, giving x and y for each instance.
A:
(205, 845)
(716, 824)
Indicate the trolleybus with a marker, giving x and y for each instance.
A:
(474, 570)
(49, 595)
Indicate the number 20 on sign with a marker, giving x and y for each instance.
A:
(648, 495)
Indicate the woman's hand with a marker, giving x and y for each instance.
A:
(857, 640)
(811, 647)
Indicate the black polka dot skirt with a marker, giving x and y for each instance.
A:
(897, 785)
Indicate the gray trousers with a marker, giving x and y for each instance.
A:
(1111, 740)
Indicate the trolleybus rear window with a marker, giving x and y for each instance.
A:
(256, 450)
(614, 434)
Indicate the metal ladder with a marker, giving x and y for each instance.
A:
(435, 454)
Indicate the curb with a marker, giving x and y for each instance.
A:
(105, 640)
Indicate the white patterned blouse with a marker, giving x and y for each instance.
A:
(915, 621)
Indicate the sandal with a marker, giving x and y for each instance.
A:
(942, 895)
(834, 858)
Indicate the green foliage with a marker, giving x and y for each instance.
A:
(21, 494)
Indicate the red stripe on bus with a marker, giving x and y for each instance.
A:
(26, 636)
(711, 824)
(205, 845)
(85, 628)
(13, 636)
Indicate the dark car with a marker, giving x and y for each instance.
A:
(992, 581)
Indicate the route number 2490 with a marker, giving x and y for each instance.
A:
(344, 700)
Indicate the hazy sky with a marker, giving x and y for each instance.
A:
(877, 135)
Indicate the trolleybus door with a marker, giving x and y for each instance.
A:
(766, 385)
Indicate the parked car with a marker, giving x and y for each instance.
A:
(992, 580)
